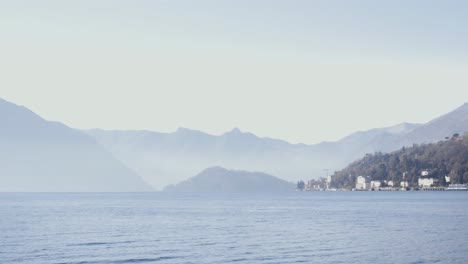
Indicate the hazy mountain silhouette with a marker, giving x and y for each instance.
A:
(168, 158)
(218, 179)
(40, 155)
(393, 138)
(439, 128)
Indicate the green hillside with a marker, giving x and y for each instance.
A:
(445, 158)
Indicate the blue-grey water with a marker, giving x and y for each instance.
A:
(296, 227)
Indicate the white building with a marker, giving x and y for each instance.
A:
(447, 178)
(329, 179)
(425, 182)
(361, 183)
(312, 186)
(375, 184)
(404, 184)
(390, 183)
(424, 173)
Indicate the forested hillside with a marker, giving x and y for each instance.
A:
(445, 158)
(157, 157)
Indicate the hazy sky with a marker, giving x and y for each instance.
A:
(303, 71)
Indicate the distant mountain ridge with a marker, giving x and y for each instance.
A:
(441, 127)
(398, 129)
(168, 158)
(37, 155)
(68, 159)
(221, 180)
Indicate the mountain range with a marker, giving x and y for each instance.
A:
(168, 158)
(44, 156)
(41, 155)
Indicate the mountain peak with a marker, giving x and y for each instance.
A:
(214, 169)
(219, 179)
(401, 128)
(462, 108)
(184, 130)
(235, 131)
(465, 105)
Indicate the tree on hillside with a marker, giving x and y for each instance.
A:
(449, 157)
(300, 185)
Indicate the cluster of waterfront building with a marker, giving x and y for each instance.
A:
(424, 183)
(365, 183)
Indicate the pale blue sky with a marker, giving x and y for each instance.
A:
(304, 71)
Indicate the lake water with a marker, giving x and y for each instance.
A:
(296, 227)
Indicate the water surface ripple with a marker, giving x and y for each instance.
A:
(296, 227)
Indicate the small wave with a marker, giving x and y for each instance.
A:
(426, 261)
(100, 243)
(141, 260)
(239, 259)
(122, 261)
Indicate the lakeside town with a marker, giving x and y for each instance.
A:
(437, 166)
(365, 183)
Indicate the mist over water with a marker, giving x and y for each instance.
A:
(295, 227)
